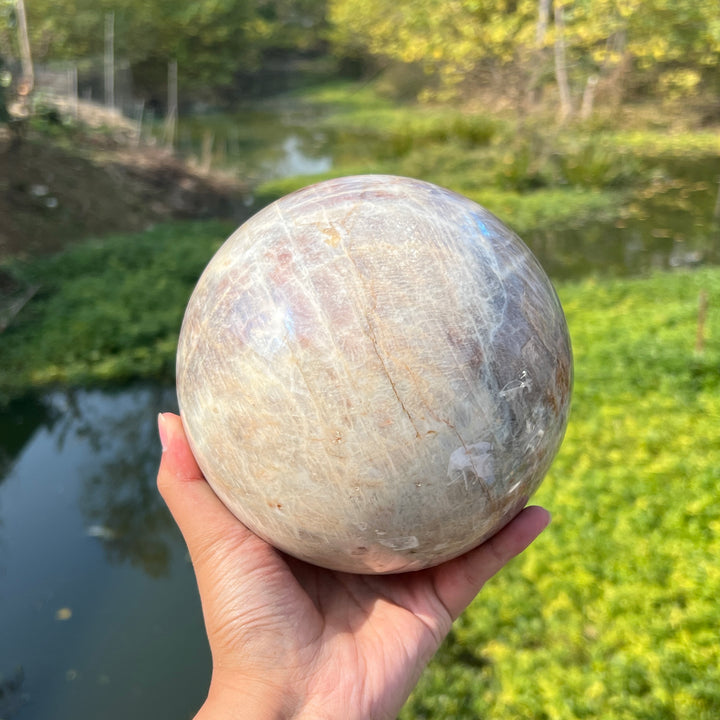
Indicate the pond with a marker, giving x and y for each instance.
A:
(99, 613)
(256, 145)
(667, 225)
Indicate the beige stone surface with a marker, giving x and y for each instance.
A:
(374, 374)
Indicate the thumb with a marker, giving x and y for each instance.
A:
(202, 518)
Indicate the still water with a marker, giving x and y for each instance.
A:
(668, 224)
(257, 145)
(99, 614)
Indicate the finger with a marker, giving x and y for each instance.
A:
(459, 581)
(202, 518)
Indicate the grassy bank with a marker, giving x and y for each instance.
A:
(109, 310)
(533, 174)
(105, 311)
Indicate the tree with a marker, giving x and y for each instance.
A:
(28, 73)
(210, 39)
(448, 38)
(561, 73)
(671, 45)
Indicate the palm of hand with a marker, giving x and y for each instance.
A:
(357, 643)
(324, 644)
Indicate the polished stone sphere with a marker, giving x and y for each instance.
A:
(374, 374)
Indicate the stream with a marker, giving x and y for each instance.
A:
(668, 225)
(99, 614)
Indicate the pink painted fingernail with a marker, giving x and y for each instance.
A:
(162, 431)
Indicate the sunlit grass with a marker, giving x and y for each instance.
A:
(613, 612)
(106, 310)
(680, 144)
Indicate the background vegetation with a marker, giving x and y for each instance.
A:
(614, 613)
(571, 118)
(577, 49)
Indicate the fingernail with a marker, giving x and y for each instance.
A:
(162, 431)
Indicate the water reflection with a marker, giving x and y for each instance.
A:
(119, 500)
(667, 226)
(299, 156)
(99, 613)
(256, 145)
(18, 423)
(11, 695)
(118, 497)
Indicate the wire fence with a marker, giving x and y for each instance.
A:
(80, 92)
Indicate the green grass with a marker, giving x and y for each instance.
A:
(614, 611)
(530, 174)
(107, 310)
(678, 144)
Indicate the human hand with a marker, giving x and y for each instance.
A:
(291, 640)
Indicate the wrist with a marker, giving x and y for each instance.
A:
(247, 701)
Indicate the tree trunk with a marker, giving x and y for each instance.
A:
(110, 60)
(172, 104)
(542, 23)
(588, 100)
(537, 57)
(28, 78)
(561, 75)
(620, 71)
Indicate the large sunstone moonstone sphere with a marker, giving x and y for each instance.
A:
(374, 374)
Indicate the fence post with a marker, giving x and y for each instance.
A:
(172, 103)
(110, 59)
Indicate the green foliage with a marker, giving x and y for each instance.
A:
(591, 162)
(672, 144)
(525, 175)
(670, 44)
(446, 38)
(106, 310)
(613, 612)
(355, 108)
(210, 39)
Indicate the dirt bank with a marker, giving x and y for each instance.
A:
(61, 187)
